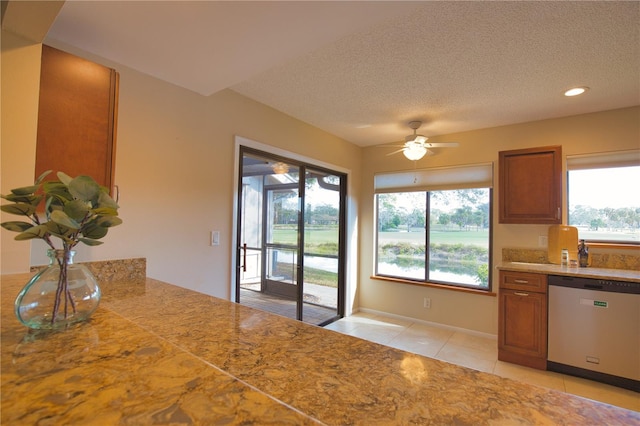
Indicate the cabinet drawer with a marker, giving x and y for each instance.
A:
(523, 281)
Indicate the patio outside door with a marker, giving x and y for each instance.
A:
(290, 238)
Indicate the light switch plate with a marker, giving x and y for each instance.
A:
(215, 238)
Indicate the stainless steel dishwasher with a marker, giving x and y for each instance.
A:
(594, 330)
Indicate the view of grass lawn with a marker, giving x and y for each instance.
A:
(451, 236)
(318, 236)
(311, 275)
(321, 277)
(323, 241)
(318, 240)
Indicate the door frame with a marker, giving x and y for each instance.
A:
(348, 234)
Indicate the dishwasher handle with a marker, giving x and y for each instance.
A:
(593, 286)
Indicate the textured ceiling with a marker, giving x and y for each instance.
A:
(362, 70)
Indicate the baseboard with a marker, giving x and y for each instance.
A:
(430, 323)
(597, 376)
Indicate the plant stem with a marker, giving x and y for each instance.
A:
(63, 286)
(62, 280)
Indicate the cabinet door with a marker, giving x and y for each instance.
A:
(522, 330)
(531, 185)
(76, 117)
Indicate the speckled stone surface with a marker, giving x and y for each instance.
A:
(524, 255)
(167, 355)
(628, 262)
(109, 371)
(615, 261)
(590, 272)
(118, 270)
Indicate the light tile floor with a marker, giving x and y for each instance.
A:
(474, 351)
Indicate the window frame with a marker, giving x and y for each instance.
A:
(598, 161)
(427, 181)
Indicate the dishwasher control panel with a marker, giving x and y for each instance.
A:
(595, 284)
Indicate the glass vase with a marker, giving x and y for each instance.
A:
(61, 294)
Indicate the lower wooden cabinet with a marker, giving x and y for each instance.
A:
(522, 320)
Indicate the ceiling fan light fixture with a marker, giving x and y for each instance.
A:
(415, 146)
(415, 139)
(414, 152)
(280, 168)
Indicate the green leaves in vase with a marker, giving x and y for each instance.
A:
(76, 210)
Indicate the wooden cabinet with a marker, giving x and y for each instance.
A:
(522, 319)
(76, 117)
(530, 185)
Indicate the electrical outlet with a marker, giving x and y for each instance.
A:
(427, 302)
(543, 241)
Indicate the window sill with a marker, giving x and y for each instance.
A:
(433, 285)
(617, 246)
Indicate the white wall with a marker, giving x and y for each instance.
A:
(20, 79)
(175, 171)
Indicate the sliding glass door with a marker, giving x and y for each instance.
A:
(290, 238)
(321, 240)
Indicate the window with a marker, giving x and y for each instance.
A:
(434, 225)
(603, 198)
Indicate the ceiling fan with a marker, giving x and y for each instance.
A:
(416, 146)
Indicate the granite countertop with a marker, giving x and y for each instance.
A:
(552, 269)
(154, 353)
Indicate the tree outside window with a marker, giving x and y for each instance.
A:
(450, 247)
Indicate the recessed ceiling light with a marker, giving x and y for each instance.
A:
(576, 91)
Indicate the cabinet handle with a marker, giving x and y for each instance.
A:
(519, 293)
(559, 214)
(521, 281)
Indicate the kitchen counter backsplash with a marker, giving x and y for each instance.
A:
(119, 270)
(598, 260)
(524, 255)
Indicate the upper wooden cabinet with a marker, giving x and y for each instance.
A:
(531, 185)
(76, 117)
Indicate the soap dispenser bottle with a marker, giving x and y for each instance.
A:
(583, 254)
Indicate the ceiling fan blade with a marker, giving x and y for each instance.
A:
(441, 144)
(397, 151)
